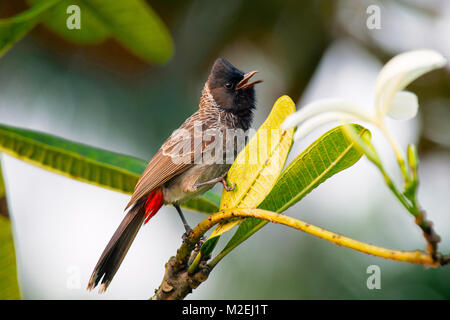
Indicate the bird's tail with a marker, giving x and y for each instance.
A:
(118, 246)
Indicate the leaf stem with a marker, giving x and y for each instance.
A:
(397, 193)
(398, 152)
(409, 197)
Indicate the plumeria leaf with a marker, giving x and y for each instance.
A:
(92, 30)
(413, 161)
(15, 28)
(81, 162)
(208, 203)
(133, 23)
(404, 106)
(362, 143)
(9, 288)
(257, 167)
(328, 155)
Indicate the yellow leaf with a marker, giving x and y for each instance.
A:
(256, 169)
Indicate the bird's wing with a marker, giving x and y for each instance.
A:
(180, 151)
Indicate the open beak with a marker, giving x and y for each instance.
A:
(244, 84)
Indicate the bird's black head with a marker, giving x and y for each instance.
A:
(231, 89)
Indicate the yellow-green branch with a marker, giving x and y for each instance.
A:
(178, 281)
(416, 257)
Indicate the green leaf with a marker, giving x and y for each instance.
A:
(133, 23)
(15, 28)
(92, 30)
(75, 160)
(81, 162)
(136, 26)
(208, 203)
(362, 142)
(328, 155)
(413, 183)
(3, 204)
(257, 167)
(9, 288)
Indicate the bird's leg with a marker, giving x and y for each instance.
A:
(186, 227)
(221, 179)
(183, 219)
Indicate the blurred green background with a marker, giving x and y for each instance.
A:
(103, 95)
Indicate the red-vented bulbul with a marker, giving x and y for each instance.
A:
(179, 171)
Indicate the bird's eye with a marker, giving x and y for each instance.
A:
(228, 85)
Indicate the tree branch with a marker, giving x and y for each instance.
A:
(178, 282)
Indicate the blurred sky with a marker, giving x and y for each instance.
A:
(61, 226)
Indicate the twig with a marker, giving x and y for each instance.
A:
(178, 282)
(408, 198)
(429, 234)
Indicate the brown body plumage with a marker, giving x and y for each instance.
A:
(175, 175)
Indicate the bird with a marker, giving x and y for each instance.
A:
(191, 161)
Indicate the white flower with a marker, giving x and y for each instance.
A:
(390, 100)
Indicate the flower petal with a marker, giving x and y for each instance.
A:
(400, 71)
(334, 105)
(317, 121)
(404, 106)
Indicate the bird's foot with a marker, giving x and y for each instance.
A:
(198, 244)
(186, 234)
(225, 184)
